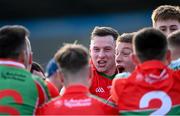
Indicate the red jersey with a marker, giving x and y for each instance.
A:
(52, 89)
(152, 88)
(78, 101)
(100, 83)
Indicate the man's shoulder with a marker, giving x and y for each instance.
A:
(107, 106)
(37, 78)
(56, 102)
(101, 101)
(122, 75)
(175, 65)
(50, 106)
(119, 82)
(14, 73)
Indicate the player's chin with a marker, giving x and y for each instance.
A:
(101, 69)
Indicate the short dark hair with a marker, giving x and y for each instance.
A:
(104, 31)
(125, 37)
(174, 39)
(72, 57)
(165, 12)
(150, 44)
(12, 41)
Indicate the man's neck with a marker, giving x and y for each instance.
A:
(110, 72)
(70, 83)
(111, 77)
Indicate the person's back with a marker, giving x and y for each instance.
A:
(136, 96)
(152, 88)
(19, 90)
(76, 100)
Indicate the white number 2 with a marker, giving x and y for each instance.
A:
(165, 99)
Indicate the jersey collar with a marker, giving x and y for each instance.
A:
(8, 62)
(151, 71)
(111, 77)
(76, 89)
(152, 64)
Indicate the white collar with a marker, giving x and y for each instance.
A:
(12, 63)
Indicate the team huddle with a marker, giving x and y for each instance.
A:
(134, 73)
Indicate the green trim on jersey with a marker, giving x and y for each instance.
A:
(174, 111)
(107, 76)
(102, 100)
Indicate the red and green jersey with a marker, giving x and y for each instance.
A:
(52, 89)
(78, 101)
(152, 88)
(100, 83)
(20, 91)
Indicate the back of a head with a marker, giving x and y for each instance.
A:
(12, 41)
(72, 58)
(126, 38)
(166, 12)
(104, 31)
(150, 44)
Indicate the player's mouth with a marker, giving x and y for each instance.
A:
(102, 63)
(120, 69)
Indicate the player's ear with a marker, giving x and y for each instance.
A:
(60, 75)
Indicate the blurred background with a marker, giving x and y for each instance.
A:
(54, 22)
